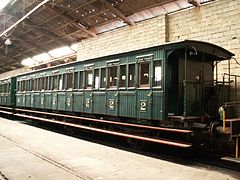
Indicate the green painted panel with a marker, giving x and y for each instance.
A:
(144, 104)
(112, 102)
(54, 101)
(61, 102)
(78, 101)
(37, 100)
(24, 100)
(48, 100)
(42, 100)
(19, 100)
(69, 101)
(157, 105)
(28, 100)
(127, 103)
(32, 100)
(88, 101)
(99, 105)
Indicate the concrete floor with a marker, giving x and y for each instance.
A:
(28, 152)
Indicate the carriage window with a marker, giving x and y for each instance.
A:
(55, 82)
(103, 78)
(81, 80)
(69, 80)
(64, 81)
(96, 78)
(60, 82)
(76, 80)
(131, 75)
(88, 78)
(112, 75)
(35, 84)
(18, 86)
(144, 73)
(23, 85)
(4, 88)
(157, 73)
(28, 85)
(122, 80)
(40, 84)
(32, 84)
(46, 83)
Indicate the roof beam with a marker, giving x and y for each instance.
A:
(77, 25)
(129, 21)
(40, 30)
(196, 3)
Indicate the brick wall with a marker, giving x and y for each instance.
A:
(144, 34)
(14, 72)
(217, 22)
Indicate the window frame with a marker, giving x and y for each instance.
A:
(147, 59)
(88, 68)
(120, 76)
(109, 66)
(153, 78)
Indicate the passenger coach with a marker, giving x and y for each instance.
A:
(173, 80)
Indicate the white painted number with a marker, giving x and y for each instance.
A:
(143, 105)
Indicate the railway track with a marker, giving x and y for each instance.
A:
(158, 149)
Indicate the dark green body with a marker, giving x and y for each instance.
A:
(7, 92)
(122, 102)
(171, 95)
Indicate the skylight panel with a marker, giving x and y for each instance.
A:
(59, 52)
(28, 62)
(42, 57)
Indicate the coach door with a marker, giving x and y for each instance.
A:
(144, 92)
(175, 78)
(69, 90)
(112, 90)
(88, 85)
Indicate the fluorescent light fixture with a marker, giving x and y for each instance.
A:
(4, 3)
(28, 62)
(42, 57)
(59, 52)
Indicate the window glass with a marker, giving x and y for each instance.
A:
(64, 81)
(96, 78)
(88, 78)
(23, 85)
(157, 73)
(28, 85)
(60, 82)
(144, 73)
(35, 84)
(81, 80)
(32, 84)
(69, 80)
(46, 83)
(103, 78)
(112, 75)
(55, 82)
(122, 80)
(131, 75)
(18, 87)
(76, 80)
(41, 85)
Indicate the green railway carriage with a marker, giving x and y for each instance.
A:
(152, 84)
(7, 92)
